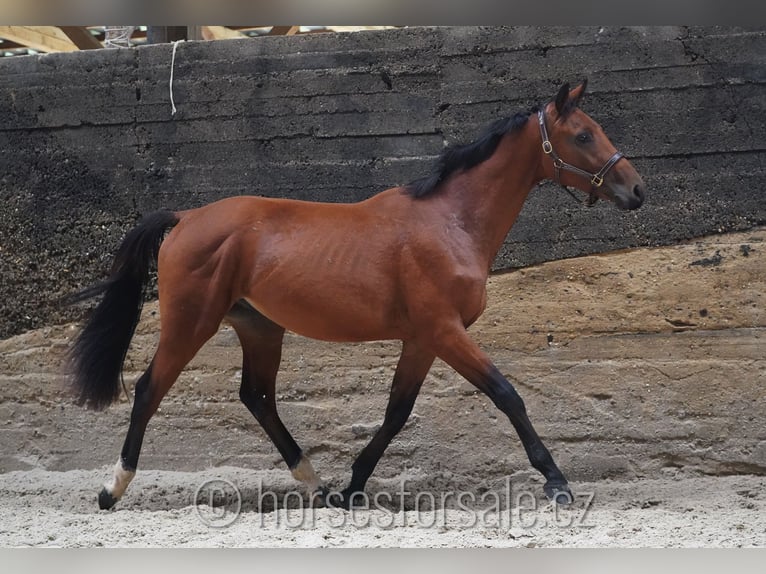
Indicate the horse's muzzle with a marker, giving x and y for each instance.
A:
(630, 198)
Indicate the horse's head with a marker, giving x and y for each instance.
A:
(578, 154)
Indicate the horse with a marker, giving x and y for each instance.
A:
(410, 263)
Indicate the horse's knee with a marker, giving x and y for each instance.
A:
(504, 395)
(396, 419)
(248, 398)
(257, 404)
(508, 397)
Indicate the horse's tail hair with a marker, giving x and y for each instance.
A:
(97, 355)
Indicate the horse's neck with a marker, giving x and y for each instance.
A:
(488, 198)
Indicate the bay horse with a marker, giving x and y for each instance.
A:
(410, 263)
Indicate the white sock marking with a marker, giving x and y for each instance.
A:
(305, 473)
(120, 480)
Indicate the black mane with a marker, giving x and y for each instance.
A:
(457, 157)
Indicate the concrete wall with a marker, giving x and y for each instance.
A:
(88, 142)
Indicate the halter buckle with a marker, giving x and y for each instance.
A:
(547, 147)
(597, 180)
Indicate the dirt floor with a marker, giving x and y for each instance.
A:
(642, 370)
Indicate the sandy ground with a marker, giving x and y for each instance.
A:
(43, 508)
(642, 370)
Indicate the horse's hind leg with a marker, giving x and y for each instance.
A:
(185, 327)
(261, 341)
(411, 371)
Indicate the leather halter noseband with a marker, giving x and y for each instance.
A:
(596, 179)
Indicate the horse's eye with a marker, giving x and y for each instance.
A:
(583, 138)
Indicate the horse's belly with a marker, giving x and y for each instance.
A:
(330, 314)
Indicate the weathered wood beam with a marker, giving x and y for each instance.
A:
(41, 38)
(284, 30)
(81, 37)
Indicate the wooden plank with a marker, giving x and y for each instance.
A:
(41, 38)
(284, 30)
(81, 37)
(220, 33)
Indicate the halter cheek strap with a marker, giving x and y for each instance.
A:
(596, 179)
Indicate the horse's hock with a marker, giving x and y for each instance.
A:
(632, 364)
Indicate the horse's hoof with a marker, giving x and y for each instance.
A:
(345, 500)
(106, 500)
(356, 499)
(559, 493)
(319, 496)
(334, 500)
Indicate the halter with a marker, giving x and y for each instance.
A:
(596, 179)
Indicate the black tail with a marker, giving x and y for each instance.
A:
(97, 356)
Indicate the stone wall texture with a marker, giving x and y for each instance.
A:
(89, 143)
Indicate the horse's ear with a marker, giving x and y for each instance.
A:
(561, 98)
(577, 93)
(567, 100)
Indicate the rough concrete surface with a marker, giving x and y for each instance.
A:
(643, 371)
(88, 142)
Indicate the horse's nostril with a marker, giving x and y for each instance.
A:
(638, 191)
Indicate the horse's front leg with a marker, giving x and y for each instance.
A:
(458, 350)
(411, 371)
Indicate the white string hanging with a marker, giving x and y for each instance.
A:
(172, 66)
